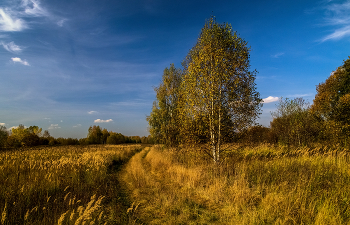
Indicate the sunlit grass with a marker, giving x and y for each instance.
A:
(254, 185)
(64, 185)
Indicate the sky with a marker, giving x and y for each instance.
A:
(66, 65)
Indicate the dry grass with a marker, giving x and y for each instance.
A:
(254, 185)
(62, 185)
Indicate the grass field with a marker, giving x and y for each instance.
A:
(64, 185)
(132, 184)
(254, 185)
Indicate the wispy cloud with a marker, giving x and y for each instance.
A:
(103, 121)
(61, 22)
(277, 55)
(24, 62)
(338, 34)
(270, 99)
(10, 23)
(299, 95)
(53, 126)
(92, 112)
(338, 17)
(78, 125)
(11, 47)
(15, 127)
(135, 103)
(13, 17)
(33, 8)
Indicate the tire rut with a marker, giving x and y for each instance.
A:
(119, 201)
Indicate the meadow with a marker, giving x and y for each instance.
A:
(64, 185)
(253, 185)
(134, 184)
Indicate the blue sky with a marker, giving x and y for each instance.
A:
(69, 64)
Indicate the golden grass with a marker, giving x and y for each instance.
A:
(61, 185)
(254, 185)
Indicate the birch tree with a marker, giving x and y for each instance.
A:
(218, 85)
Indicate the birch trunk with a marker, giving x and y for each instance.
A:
(219, 130)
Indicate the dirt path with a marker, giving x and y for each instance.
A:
(119, 200)
(128, 208)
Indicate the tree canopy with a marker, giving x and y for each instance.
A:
(332, 101)
(164, 118)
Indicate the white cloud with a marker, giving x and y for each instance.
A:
(338, 16)
(9, 23)
(78, 125)
(11, 47)
(24, 62)
(277, 55)
(61, 22)
(2, 124)
(33, 8)
(15, 127)
(11, 18)
(270, 99)
(338, 34)
(299, 95)
(92, 112)
(53, 126)
(103, 121)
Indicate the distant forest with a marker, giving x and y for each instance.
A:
(33, 136)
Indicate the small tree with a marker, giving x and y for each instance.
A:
(293, 123)
(35, 130)
(115, 138)
(46, 134)
(105, 135)
(95, 135)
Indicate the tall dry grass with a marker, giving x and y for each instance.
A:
(254, 185)
(62, 185)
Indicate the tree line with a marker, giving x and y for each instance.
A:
(297, 122)
(213, 100)
(33, 136)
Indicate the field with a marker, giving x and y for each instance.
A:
(64, 185)
(132, 184)
(254, 185)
